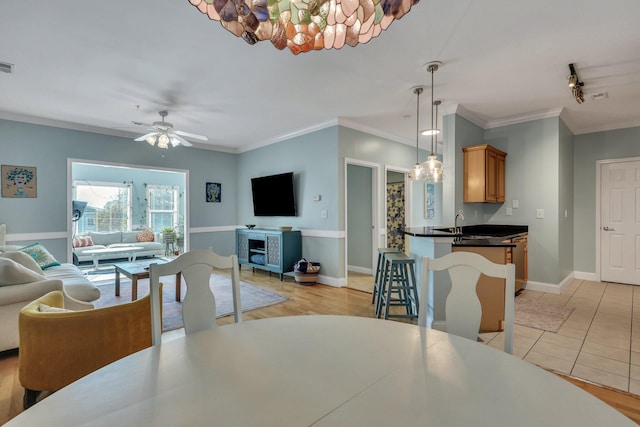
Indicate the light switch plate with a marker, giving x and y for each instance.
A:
(539, 213)
(515, 204)
(509, 212)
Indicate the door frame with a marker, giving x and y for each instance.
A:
(598, 225)
(375, 209)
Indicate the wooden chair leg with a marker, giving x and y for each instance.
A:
(30, 398)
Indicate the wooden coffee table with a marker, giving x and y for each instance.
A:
(140, 270)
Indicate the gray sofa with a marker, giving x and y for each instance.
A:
(22, 283)
(121, 240)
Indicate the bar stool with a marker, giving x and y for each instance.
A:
(399, 286)
(377, 281)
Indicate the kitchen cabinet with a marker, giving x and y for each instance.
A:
(270, 250)
(490, 290)
(484, 174)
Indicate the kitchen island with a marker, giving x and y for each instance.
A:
(499, 243)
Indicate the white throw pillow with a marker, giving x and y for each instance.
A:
(44, 308)
(12, 273)
(25, 260)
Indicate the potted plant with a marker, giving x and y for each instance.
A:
(168, 234)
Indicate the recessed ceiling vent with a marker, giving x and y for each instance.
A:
(5, 67)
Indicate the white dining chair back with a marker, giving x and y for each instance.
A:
(463, 310)
(199, 303)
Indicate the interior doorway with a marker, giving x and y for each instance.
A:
(138, 181)
(396, 194)
(361, 222)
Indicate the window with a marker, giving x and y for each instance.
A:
(108, 206)
(163, 206)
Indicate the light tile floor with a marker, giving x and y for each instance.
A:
(599, 342)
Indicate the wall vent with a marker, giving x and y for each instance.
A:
(5, 67)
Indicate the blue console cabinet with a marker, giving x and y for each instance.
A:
(272, 250)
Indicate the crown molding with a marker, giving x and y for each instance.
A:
(608, 127)
(469, 115)
(371, 131)
(25, 118)
(522, 118)
(287, 136)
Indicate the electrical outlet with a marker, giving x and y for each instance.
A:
(515, 204)
(508, 212)
(539, 213)
(324, 214)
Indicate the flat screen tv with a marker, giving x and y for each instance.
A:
(274, 195)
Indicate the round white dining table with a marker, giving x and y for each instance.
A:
(321, 371)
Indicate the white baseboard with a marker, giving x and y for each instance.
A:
(542, 287)
(332, 281)
(550, 287)
(583, 275)
(361, 270)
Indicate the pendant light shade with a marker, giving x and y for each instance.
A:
(418, 173)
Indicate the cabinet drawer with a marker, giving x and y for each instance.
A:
(256, 236)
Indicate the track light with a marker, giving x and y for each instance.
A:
(575, 84)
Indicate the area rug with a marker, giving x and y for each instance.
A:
(251, 297)
(546, 317)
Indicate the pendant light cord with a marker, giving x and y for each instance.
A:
(433, 129)
(418, 90)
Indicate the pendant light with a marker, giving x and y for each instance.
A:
(418, 173)
(432, 166)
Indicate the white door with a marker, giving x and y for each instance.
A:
(620, 222)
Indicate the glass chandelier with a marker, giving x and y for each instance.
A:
(305, 25)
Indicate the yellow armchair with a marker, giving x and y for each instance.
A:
(57, 348)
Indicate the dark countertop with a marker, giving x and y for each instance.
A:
(473, 235)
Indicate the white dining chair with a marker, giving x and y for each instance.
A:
(463, 310)
(199, 304)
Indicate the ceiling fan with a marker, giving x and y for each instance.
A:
(164, 134)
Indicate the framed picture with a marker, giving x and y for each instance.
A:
(213, 192)
(429, 201)
(19, 181)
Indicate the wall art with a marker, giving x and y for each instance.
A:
(213, 192)
(19, 181)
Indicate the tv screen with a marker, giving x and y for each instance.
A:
(273, 195)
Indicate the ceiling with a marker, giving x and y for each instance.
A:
(100, 66)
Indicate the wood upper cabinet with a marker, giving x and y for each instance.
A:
(484, 174)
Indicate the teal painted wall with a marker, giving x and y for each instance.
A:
(565, 202)
(588, 148)
(532, 178)
(48, 149)
(312, 159)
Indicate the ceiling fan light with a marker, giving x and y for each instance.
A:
(151, 139)
(573, 80)
(163, 141)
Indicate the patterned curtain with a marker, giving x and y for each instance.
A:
(395, 216)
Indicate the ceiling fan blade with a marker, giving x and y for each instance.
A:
(177, 140)
(191, 135)
(143, 137)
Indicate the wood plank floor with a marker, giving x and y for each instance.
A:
(303, 300)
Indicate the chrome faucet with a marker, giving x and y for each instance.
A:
(458, 229)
